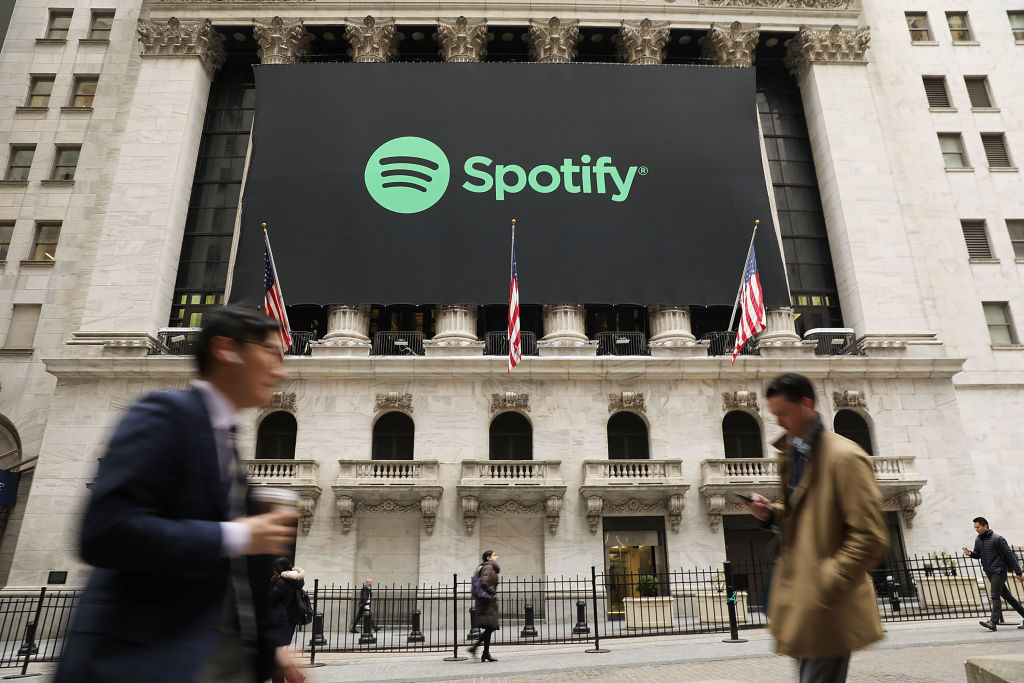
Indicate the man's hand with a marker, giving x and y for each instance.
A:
(1020, 577)
(760, 507)
(967, 553)
(272, 533)
(284, 666)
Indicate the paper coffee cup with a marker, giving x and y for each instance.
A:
(270, 498)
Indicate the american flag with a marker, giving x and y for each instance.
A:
(515, 343)
(752, 317)
(273, 299)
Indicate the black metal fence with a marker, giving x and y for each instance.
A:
(579, 609)
(397, 344)
(496, 343)
(182, 342)
(622, 343)
(722, 344)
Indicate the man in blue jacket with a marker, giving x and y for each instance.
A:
(179, 593)
(996, 557)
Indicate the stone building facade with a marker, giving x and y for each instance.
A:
(105, 115)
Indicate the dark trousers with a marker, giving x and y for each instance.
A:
(485, 638)
(824, 669)
(997, 583)
(357, 623)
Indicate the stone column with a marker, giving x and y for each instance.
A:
(643, 42)
(371, 41)
(348, 330)
(863, 213)
(462, 40)
(670, 332)
(140, 240)
(779, 337)
(554, 41)
(731, 47)
(280, 41)
(456, 333)
(565, 332)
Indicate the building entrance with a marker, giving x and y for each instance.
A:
(632, 552)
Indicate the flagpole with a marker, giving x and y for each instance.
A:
(511, 270)
(732, 318)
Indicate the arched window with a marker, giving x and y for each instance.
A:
(742, 435)
(393, 437)
(511, 437)
(627, 437)
(275, 439)
(850, 424)
(9, 441)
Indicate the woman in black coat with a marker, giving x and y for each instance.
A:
(284, 585)
(487, 617)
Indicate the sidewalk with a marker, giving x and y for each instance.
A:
(914, 644)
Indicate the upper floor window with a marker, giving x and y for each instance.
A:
(917, 22)
(959, 29)
(996, 152)
(39, 90)
(742, 435)
(275, 439)
(627, 437)
(1017, 24)
(1016, 229)
(84, 91)
(850, 424)
(44, 247)
(952, 147)
(937, 93)
(21, 333)
(978, 92)
(20, 162)
(6, 232)
(1000, 326)
(393, 437)
(102, 22)
(976, 238)
(60, 22)
(65, 162)
(511, 437)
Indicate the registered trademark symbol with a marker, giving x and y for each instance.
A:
(642, 170)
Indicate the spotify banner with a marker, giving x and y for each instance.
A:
(397, 183)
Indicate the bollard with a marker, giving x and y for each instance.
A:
(474, 629)
(415, 635)
(730, 590)
(29, 647)
(368, 637)
(581, 628)
(318, 639)
(528, 629)
(892, 589)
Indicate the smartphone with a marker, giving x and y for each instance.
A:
(742, 497)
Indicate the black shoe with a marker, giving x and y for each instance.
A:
(486, 657)
(376, 628)
(1021, 626)
(471, 650)
(988, 624)
(355, 630)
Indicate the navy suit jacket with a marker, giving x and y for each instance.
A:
(153, 608)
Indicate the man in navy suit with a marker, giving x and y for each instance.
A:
(182, 558)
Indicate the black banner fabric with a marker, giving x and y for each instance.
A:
(397, 183)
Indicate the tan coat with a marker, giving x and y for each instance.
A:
(822, 602)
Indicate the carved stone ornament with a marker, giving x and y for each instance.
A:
(462, 40)
(716, 505)
(907, 503)
(731, 47)
(175, 39)
(346, 511)
(510, 400)
(393, 400)
(512, 507)
(469, 510)
(733, 400)
(627, 400)
(595, 505)
(643, 42)
(371, 41)
(835, 46)
(281, 400)
(672, 506)
(280, 41)
(428, 506)
(781, 4)
(849, 399)
(552, 510)
(554, 41)
(675, 511)
(307, 504)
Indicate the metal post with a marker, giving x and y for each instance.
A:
(581, 628)
(318, 629)
(415, 635)
(455, 617)
(529, 630)
(730, 590)
(593, 593)
(29, 647)
(368, 636)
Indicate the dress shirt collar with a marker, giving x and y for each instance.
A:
(222, 412)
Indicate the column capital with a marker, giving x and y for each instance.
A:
(553, 41)
(175, 39)
(643, 42)
(780, 4)
(834, 46)
(462, 39)
(733, 46)
(280, 41)
(371, 40)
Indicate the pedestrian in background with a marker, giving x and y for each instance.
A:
(363, 607)
(285, 584)
(996, 558)
(832, 533)
(485, 593)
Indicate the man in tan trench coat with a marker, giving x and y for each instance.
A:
(822, 602)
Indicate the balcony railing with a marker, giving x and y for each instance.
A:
(722, 343)
(622, 344)
(282, 472)
(387, 472)
(740, 471)
(496, 343)
(834, 341)
(181, 341)
(397, 344)
(631, 472)
(511, 473)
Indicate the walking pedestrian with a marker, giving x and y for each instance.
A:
(363, 607)
(485, 593)
(285, 584)
(996, 558)
(832, 533)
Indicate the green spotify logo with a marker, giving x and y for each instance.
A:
(407, 175)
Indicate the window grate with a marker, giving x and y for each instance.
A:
(976, 238)
(936, 91)
(995, 150)
(977, 91)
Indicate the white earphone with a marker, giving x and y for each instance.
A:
(232, 357)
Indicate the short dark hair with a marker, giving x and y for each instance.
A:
(791, 385)
(241, 323)
(981, 520)
(281, 565)
(487, 555)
